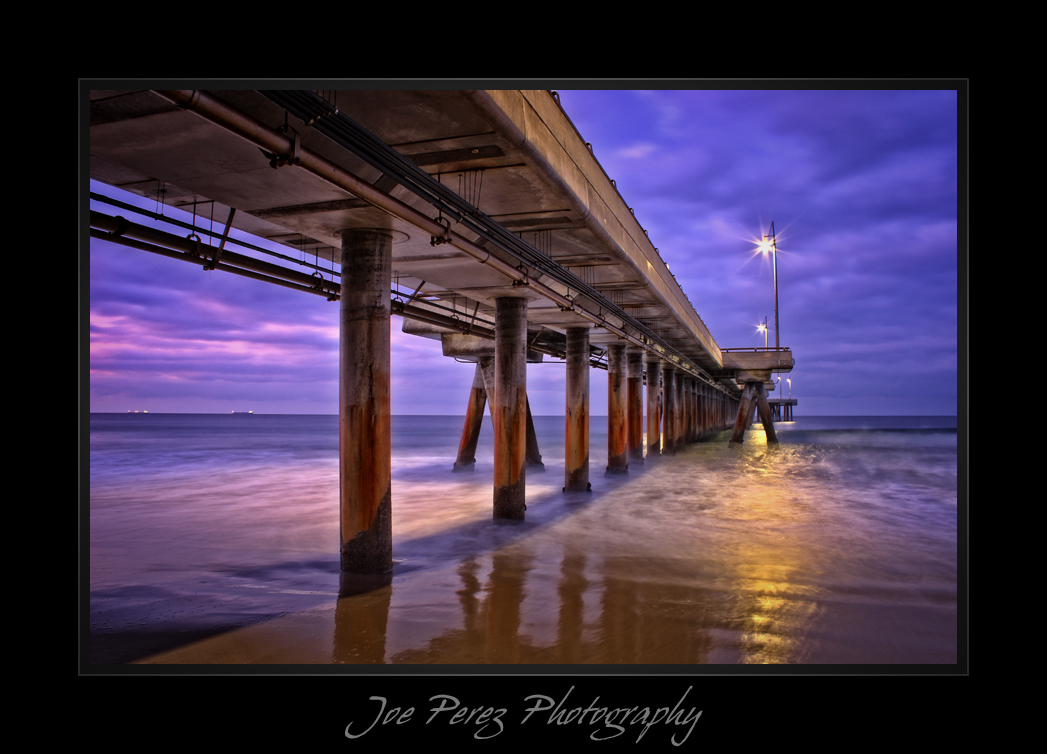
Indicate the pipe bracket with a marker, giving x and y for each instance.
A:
(445, 237)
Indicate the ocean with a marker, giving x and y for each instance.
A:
(214, 539)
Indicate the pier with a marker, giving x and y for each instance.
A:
(480, 217)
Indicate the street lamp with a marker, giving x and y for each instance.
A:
(762, 327)
(772, 246)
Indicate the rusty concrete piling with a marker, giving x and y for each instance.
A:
(654, 406)
(364, 438)
(509, 404)
(765, 414)
(744, 414)
(617, 423)
(474, 415)
(576, 452)
(533, 456)
(669, 430)
(634, 403)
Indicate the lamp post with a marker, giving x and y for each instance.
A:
(762, 327)
(772, 246)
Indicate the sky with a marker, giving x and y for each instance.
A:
(862, 187)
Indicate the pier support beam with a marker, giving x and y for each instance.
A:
(744, 412)
(634, 403)
(474, 416)
(534, 458)
(654, 407)
(364, 443)
(483, 385)
(617, 459)
(765, 414)
(509, 407)
(693, 393)
(669, 430)
(703, 410)
(576, 455)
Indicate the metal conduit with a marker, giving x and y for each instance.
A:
(345, 132)
(326, 119)
(119, 230)
(206, 231)
(214, 110)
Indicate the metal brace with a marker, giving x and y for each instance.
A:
(446, 237)
(526, 280)
(196, 251)
(221, 245)
(278, 161)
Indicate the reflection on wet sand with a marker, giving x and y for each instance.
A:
(714, 556)
(552, 596)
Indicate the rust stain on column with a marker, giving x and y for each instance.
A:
(669, 430)
(576, 454)
(474, 416)
(765, 414)
(509, 404)
(617, 462)
(744, 412)
(365, 459)
(654, 407)
(634, 403)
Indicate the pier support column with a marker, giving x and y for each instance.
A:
(509, 407)
(681, 411)
(474, 416)
(364, 443)
(534, 457)
(669, 430)
(634, 403)
(765, 414)
(703, 410)
(692, 395)
(617, 460)
(576, 452)
(688, 405)
(654, 409)
(744, 412)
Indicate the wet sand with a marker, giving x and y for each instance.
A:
(622, 576)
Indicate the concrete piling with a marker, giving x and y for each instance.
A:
(483, 386)
(617, 423)
(474, 415)
(765, 414)
(744, 414)
(533, 456)
(654, 412)
(669, 430)
(509, 404)
(364, 438)
(634, 403)
(576, 455)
